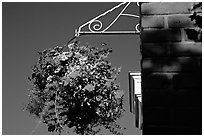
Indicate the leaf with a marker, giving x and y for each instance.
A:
(75, 88)
(51, 128)
(119, 94)
(74, 74)
(89, 87)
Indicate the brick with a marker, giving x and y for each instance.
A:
(187, 80)
(158, 36)
(192, 35)
(171, 64)
(186, 49)
(190, 64)
(188, 116)
(147, 65)
(171, 130)
(187, 98)
(180, 21)
(157, 116)
(160, 64)
(165, 8)
(155, 49)
(172, 49)
(152, 22)
(156, 81)
(170, 98)
(158, 97)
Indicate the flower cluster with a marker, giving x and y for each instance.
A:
(75, 88)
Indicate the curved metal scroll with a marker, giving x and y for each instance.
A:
(95, 25)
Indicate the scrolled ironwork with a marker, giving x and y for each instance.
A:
(137, 28)
(96, 25)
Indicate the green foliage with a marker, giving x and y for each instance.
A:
(197, 14)
(75, 89)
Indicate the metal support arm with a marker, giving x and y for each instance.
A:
(95, 26)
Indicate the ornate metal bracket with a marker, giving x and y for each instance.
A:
(95, 26)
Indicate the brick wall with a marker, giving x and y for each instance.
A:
(171, 70)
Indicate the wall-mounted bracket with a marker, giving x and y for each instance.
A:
(96, 25)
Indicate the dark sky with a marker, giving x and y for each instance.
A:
(31, 27)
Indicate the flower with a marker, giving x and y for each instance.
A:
(63, 57)
(49, 66)
(57, 70)
(89, 87)
(77, 54)
(49, 79)
(77, 67)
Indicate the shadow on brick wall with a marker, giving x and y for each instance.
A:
(171, 80)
